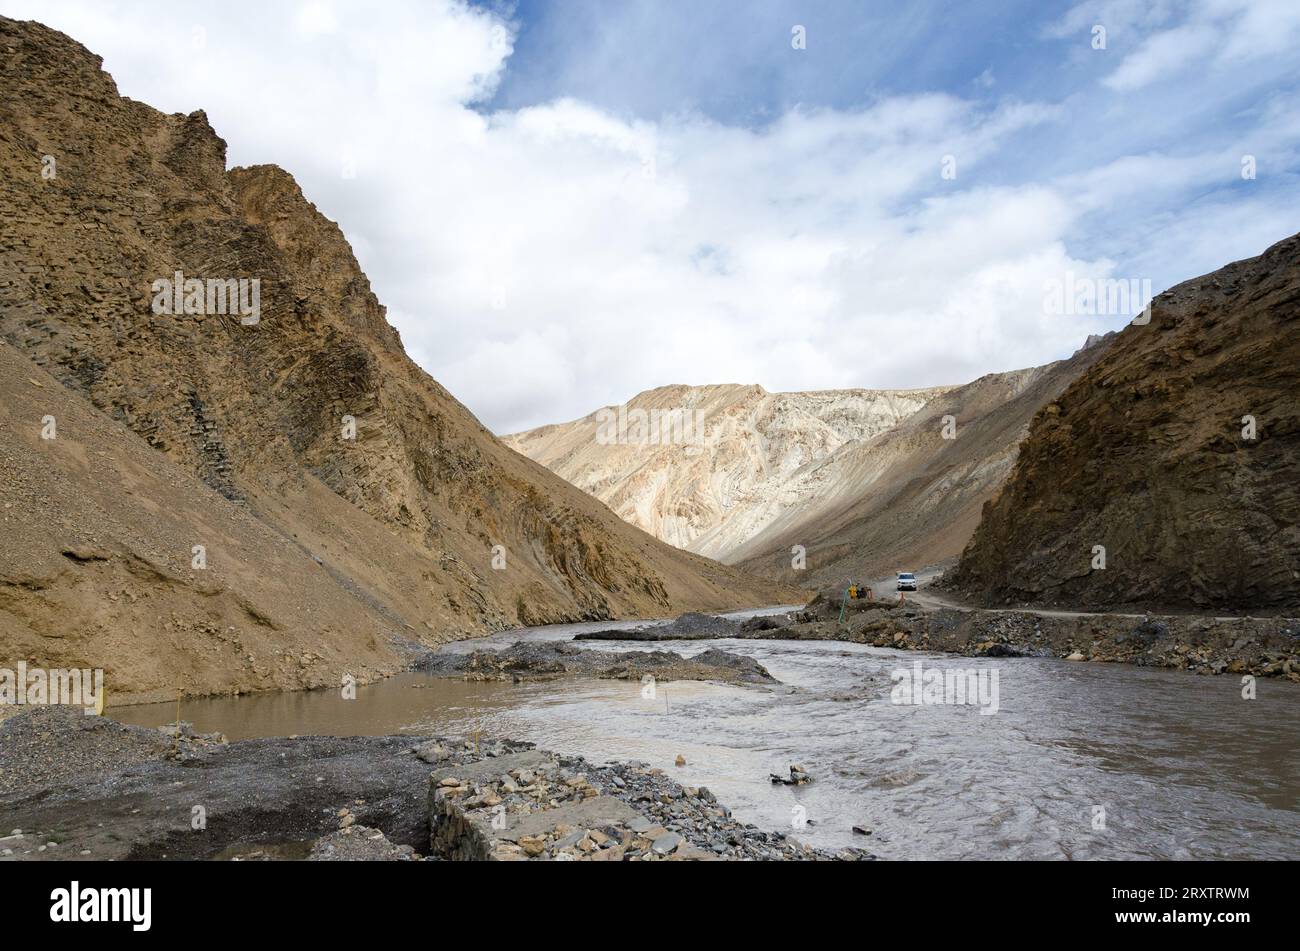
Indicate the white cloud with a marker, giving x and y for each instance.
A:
(544, 262)
(1211, 35)
(1163, 56)
(316, 17)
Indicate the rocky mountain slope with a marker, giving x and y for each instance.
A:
(318, 538)
(747, 457)
(1149, 455)
(911, 497)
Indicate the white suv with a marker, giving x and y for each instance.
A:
(906, 581)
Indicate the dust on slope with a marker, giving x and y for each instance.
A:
(1146, 456)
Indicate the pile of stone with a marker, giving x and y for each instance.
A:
(535, 805)
(355, 843)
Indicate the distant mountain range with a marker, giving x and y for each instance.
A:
(863, 481)
(748, 458)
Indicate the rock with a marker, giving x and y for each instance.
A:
(573, 838)
(681, 761)
(798, 777)
(767, 622)
(1002, 650)
(1076, 656)
(666, 843)
(533, 845)
(433, 752)
(862, 830)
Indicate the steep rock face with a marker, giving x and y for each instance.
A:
(742, 464)
(910, 497)
(1145, 456)
(104, 197)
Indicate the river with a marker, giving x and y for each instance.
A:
(1080, 761)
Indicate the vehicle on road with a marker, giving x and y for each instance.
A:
(906, 581)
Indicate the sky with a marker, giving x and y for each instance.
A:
(565, 203)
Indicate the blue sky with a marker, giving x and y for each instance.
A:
(648, 59)
(564, 203)
(651, 58)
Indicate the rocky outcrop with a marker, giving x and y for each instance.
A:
(1168, 475)
(708, 467)
(343, 498)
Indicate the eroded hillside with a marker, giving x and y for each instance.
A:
(306, 416)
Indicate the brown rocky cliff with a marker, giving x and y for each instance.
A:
(406, 515)
(1144, 455)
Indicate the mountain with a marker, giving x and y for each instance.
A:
(706, 468)
(862, 480)
(1178, 453)
(347, 504)
(911, 497)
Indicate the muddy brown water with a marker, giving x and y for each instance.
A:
(1081, 761)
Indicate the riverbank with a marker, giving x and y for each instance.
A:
(1261, 647)
(86, 787)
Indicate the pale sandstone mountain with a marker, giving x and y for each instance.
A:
(862, 480)
(318, 546)
(747, 457)
(1150, 455)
